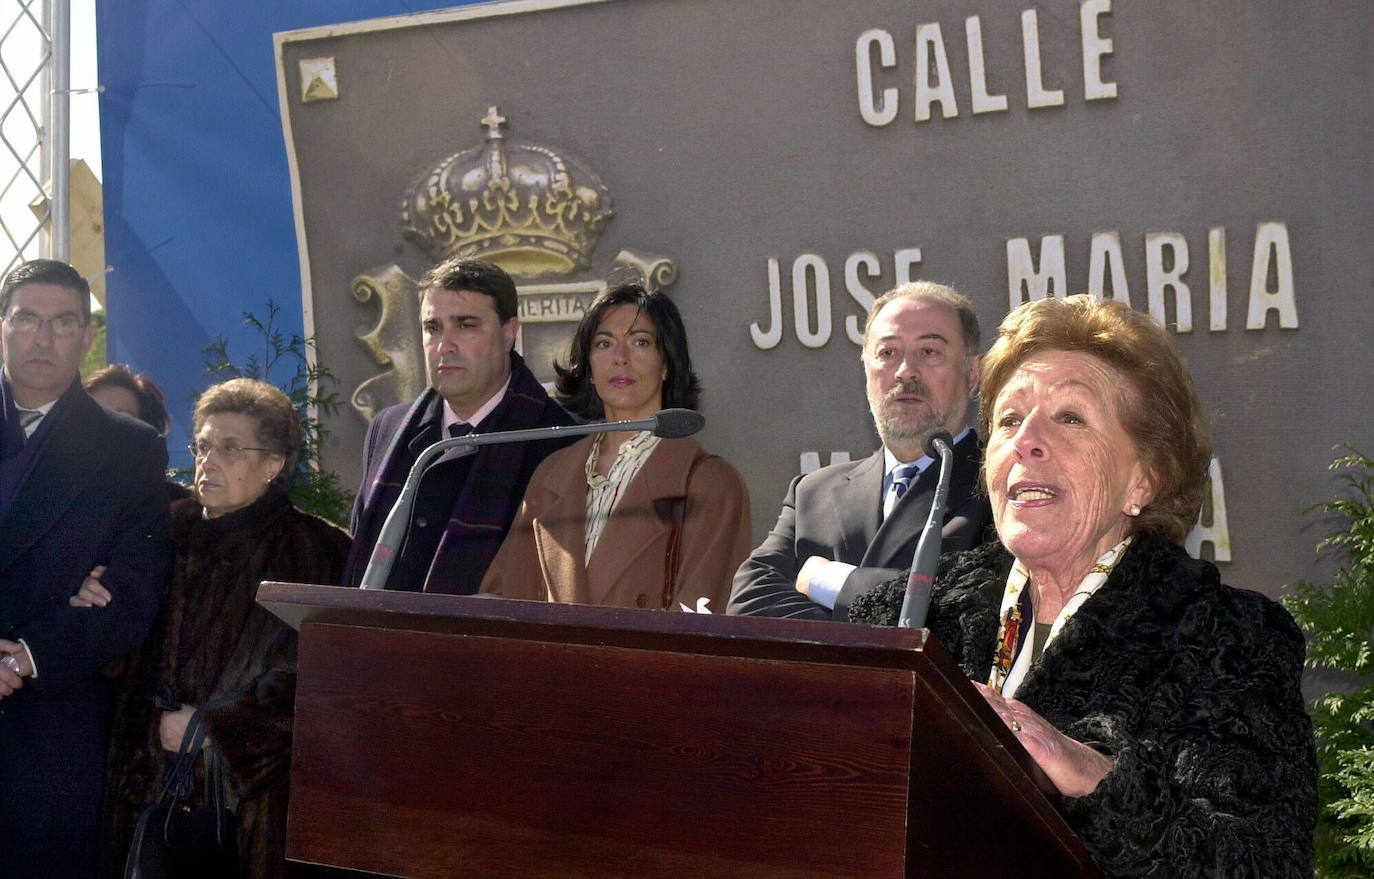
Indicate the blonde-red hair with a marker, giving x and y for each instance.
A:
(1159, 407)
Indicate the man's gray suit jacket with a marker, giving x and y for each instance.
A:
(836, 512)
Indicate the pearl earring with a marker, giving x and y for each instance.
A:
(1133, 510)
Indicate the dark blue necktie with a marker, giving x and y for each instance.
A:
(902, 478)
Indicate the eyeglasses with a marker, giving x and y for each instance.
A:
(27, 322)
(229, 452)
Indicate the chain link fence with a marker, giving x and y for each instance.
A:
(26, 74)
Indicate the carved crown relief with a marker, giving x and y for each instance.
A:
(535, 211)
(526, 207)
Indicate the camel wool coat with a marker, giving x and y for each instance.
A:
(543, 557)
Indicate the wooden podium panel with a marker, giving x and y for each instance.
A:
(444, 736)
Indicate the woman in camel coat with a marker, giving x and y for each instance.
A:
(626, 519)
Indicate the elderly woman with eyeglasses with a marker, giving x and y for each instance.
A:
(214, 651)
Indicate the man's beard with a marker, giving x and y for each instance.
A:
(899, 427)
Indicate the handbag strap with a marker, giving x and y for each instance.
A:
(216, 790)
(181, 775)
(677, 513)
(180, 778)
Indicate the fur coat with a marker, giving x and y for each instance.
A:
(1192, 686)
(215, 648)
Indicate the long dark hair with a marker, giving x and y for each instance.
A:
(681, 389)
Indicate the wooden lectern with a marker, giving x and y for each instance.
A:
(445, 736)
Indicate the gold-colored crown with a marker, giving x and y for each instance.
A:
(527, 207)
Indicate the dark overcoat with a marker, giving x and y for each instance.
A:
(475, 511)
(214, 647)
(95, 495)
(1193, 687)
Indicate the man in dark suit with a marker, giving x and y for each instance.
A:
(847, 527)
(80, 486)
(478, 384)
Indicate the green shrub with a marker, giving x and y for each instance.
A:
(1339, 619)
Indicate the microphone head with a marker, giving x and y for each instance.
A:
(942, 436)
(674, 423)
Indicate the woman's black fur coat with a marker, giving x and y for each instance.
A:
(1192, 685)
(219, 650)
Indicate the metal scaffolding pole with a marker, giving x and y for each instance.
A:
(58, 142)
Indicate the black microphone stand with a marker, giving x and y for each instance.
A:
(667, 423)
(916, 602)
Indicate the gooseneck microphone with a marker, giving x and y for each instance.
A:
(916, 602)
(666, 423)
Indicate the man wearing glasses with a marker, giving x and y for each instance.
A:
(80, 486)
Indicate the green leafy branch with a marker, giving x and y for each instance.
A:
(1339, 619)
(285, 360)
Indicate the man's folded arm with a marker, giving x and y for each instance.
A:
(70, 643)
(766, 584)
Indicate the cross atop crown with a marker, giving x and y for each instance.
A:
(493, 122)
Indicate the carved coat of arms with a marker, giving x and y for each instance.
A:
(535, 211)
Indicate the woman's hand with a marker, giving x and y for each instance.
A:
(1075, 768)
(91, 593)
(172, 728)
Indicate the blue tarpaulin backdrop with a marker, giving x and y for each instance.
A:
(198, 219)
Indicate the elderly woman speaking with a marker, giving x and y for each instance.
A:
(1164, 705)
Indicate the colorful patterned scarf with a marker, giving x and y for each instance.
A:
(1007, 672)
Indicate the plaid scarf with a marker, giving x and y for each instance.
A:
(487, 502)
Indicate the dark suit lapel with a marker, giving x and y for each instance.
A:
(895, 541)
(900, 530)
(857, 506)
(427, 429)
(963, 483)
(383, 479)
(73, 452)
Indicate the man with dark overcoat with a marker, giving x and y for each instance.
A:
(80, 486)
(846, 528)
(468, 498)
